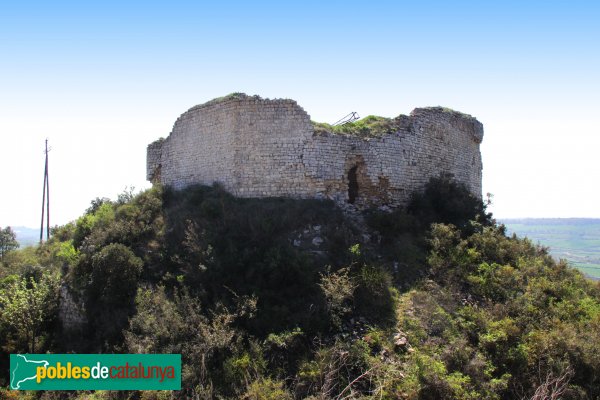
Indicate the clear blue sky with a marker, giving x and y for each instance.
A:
(101, 80)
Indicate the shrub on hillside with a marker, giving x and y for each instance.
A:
(110, 291)
(447, 201)
(374, 295)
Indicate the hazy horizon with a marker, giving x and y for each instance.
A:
(33, 228)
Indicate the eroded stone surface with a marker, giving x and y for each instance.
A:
(259, 147)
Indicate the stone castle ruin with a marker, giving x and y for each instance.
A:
(258, 147)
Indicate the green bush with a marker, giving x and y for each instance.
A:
(27, 309)
(374, 295)
(110, 291)
(338, 289)
(333, 368)
(267, 389)
(422, 310)
(243, 245)
(447, 201)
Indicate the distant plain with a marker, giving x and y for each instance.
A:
(575, 239)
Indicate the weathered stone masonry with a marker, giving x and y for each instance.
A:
(258, 147)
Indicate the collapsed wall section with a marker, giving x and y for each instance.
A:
(386, 170)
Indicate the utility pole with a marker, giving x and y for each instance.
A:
(45, 200)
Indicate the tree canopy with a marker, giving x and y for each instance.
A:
(8, 241)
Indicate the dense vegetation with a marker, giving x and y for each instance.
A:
(290, 299)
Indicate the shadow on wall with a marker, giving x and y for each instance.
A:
(352, 185)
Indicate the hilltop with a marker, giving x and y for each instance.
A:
(280, 298)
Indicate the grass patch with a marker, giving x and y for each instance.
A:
(371, 126)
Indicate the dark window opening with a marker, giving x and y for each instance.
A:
(352, 185)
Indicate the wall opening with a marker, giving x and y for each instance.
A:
(352, 185)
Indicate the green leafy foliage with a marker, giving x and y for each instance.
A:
(502, 303)
(8, 241)
(27, 307)
(267, 389)
(375, 294)
(244, 246)
(110, 291)
(446, 201)
(437, 303)
(338, 289)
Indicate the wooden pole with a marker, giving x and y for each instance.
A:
(45, 200)
(47, 195)
(44, 197)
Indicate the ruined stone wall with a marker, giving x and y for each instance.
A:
(154, 161)
(199, 148)
(447, 141)
(268, 147)
(380, 173)
(389, 168)
(264, 148)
